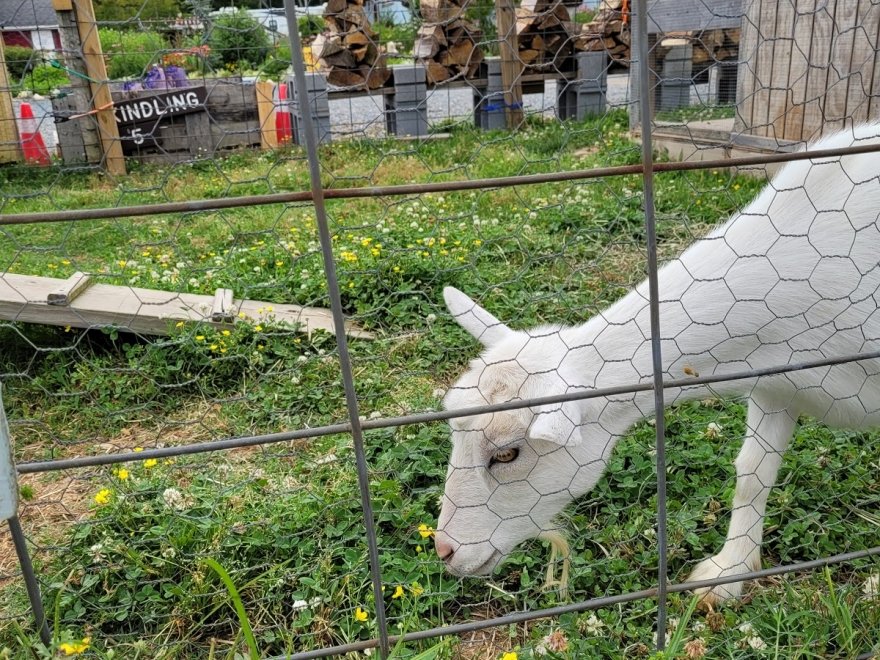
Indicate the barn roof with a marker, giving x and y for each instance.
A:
(27, 14)
(687, 15)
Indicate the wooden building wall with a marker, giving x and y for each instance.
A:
(807, 67)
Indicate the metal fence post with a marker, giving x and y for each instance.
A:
(8, 510)
(641, 47)
(311, 144)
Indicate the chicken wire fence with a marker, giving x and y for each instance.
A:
(311, 533)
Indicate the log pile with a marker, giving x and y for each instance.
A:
(347, 51)
(544, 33)
(446, 43)
(610, 31)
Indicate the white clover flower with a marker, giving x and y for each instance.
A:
(174, 499)
(871, 588)
(756, 643)
(713, 430)
(746, 628)
(593, 625)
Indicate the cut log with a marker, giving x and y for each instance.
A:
(345, 78)
(436, 72)
(440, 11)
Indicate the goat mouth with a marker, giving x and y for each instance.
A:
(481, 570)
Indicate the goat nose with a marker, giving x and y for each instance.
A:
(444, 549)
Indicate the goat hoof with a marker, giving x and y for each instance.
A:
(714, 567)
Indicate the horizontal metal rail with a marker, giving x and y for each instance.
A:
(591, 604)
(420, 418)
(193, 206)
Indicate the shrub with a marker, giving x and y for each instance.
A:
(130, 54)
(279, 62)
(310, 26)
(237, 40)
(20, 60)
(44, 78)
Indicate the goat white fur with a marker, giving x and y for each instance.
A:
(792, 277)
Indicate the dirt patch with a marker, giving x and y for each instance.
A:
(491, 643)
(58, 502)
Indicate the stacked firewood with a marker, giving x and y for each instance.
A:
(609, 31)
(447, 43)
(544, 33)
(347, 51)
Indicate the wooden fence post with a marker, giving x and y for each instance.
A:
(10, 147)
(511, 65)
(101, 99)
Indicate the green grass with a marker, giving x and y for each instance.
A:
(130, 570)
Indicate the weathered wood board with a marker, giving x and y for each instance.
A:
(24, 298)
(807, 67)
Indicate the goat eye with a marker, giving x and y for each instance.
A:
(504, 455)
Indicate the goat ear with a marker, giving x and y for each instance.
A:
(557, 423)
(482, 326)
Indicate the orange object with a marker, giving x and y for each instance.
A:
(624, 11)
(32, 144)
(283, 126)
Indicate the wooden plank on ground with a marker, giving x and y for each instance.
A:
(23, 298)
(70, 289)
(222, 309)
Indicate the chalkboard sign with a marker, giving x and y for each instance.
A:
(139, 120)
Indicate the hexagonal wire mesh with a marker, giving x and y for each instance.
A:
(764, 328)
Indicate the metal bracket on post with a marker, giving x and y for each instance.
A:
(9, 511)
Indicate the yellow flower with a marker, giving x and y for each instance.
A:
(258, 328)
(122, 263)
(242, 315)
(398, 592)
(103, 496)
(122, 474)
(179, 324)
(426, 531)
(138, 449)
(360, 615)
(418, 548)
(510, 655)
(226, 333)
(200, 337)
(76, 647)
(66, 262)
(150, 463)
(416, 589)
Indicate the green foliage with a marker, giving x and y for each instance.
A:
(45, 78)
(278, 62)
(238, 41)
(131, 54)
(310, 26)
(131, 11)
(403, 35)
(20, 61)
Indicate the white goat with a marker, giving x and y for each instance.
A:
(792, 277)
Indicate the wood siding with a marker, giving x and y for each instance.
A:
(807, 67)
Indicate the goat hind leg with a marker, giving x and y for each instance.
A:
(769, 430)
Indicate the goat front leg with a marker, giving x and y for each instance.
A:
(768, 431)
